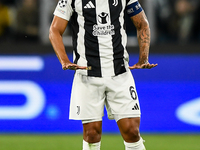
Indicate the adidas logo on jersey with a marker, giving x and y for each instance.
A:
(136, 107)
(89, 5)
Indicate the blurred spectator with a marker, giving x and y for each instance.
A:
(184, 19)
(163, 14)
(4, 21)
(28, 21)
(196, 27)
(9, 2)
(177, 20)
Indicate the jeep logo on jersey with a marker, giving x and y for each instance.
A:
(103, 18)
(62, 3)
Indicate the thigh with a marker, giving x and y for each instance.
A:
(87, 98)
(122, 96)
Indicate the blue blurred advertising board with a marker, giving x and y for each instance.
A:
(35, 95)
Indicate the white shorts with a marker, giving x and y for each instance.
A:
(90, 95)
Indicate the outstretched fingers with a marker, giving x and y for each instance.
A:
(148, 66)
(74, 67)
(143, 66)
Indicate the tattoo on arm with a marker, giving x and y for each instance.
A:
(143, 35)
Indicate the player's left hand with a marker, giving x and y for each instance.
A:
(143, 66)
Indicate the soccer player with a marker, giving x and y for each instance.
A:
(103, 75)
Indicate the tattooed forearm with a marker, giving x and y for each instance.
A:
(143, 35)
(144, 44)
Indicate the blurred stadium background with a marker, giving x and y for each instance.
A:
(35, 91)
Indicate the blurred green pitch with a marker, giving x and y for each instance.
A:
(109, 142)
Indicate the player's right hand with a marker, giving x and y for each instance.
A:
(72, 66)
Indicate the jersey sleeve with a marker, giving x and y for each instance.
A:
(64, 9)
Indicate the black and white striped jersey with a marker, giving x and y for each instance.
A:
(98, 32)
